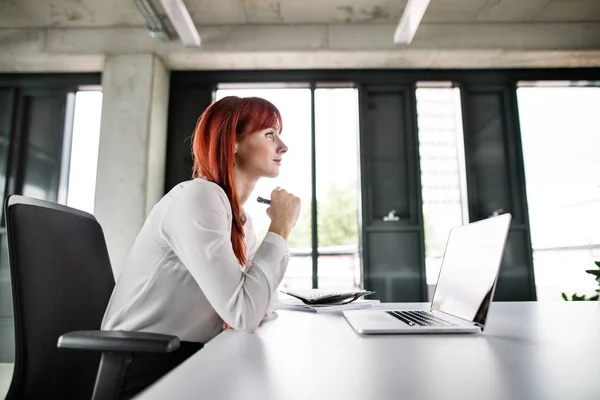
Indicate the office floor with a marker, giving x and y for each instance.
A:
(6, 371)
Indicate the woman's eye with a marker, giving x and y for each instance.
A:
(270, 134)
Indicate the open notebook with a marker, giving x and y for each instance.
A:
(315, 297)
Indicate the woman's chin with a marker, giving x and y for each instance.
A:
(272, 174)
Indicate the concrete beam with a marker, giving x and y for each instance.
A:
(410, 59)
(313, 46)
(547, 36)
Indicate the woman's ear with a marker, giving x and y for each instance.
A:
(235, 148)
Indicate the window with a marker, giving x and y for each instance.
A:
(443, 177)
(560, 130)
(337, 164)
(55, 145)
(83, 160)
(335, 183)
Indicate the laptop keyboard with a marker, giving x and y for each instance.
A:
(419, 318)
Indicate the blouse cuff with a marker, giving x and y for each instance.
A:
(277, 240)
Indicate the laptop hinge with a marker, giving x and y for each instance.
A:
(466, 321)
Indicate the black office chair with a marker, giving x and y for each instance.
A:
(61, 283)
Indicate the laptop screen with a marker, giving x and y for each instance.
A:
(470, 268)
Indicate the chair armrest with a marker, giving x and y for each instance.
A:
(119, 341)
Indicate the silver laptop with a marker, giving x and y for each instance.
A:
(464, 289)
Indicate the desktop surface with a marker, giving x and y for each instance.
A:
(527, 351)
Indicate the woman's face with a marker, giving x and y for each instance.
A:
(260, 153)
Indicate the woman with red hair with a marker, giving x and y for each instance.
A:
(195, 267)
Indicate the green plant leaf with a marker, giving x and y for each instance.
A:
(576, 297)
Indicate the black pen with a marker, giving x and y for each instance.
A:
(263, 200)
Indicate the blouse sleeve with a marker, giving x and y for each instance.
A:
(197, 226)
(274, 304)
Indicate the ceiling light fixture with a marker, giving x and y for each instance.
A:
(154, 24)
(182, 22)
(410, 20)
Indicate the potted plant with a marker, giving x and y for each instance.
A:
(596, 273)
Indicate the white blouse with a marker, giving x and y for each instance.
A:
(182, 277)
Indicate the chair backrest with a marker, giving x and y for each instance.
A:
(61, 282)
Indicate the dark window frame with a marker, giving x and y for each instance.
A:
(21, 86)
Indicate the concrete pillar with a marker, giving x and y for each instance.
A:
(132, 151)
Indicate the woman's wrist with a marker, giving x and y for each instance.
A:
(281, 230)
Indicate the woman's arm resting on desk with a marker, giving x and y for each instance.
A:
(279, 274)
(274, 303)
(197, 227)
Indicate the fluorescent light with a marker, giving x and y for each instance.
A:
(411, 18)
(156, 28)
(182, 22)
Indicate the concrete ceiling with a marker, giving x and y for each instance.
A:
(123, 13)
(78, 35)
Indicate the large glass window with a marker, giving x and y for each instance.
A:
(336, 128)
(560, 130)
(84, 150)
(56, 150)
(337, 188)
(443, 177)
(47, 122)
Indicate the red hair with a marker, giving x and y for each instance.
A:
(223, 123)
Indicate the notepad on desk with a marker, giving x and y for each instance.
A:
(320, 301)
(297, 305)
(316, 296)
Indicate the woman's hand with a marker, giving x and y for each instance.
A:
(283, 211)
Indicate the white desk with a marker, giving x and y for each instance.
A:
(529, 351)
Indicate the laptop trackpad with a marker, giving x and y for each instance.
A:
(382, 318)
(375, 319)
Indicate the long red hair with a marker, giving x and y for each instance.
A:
(223, 123)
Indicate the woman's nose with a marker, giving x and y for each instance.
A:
(282, 147)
